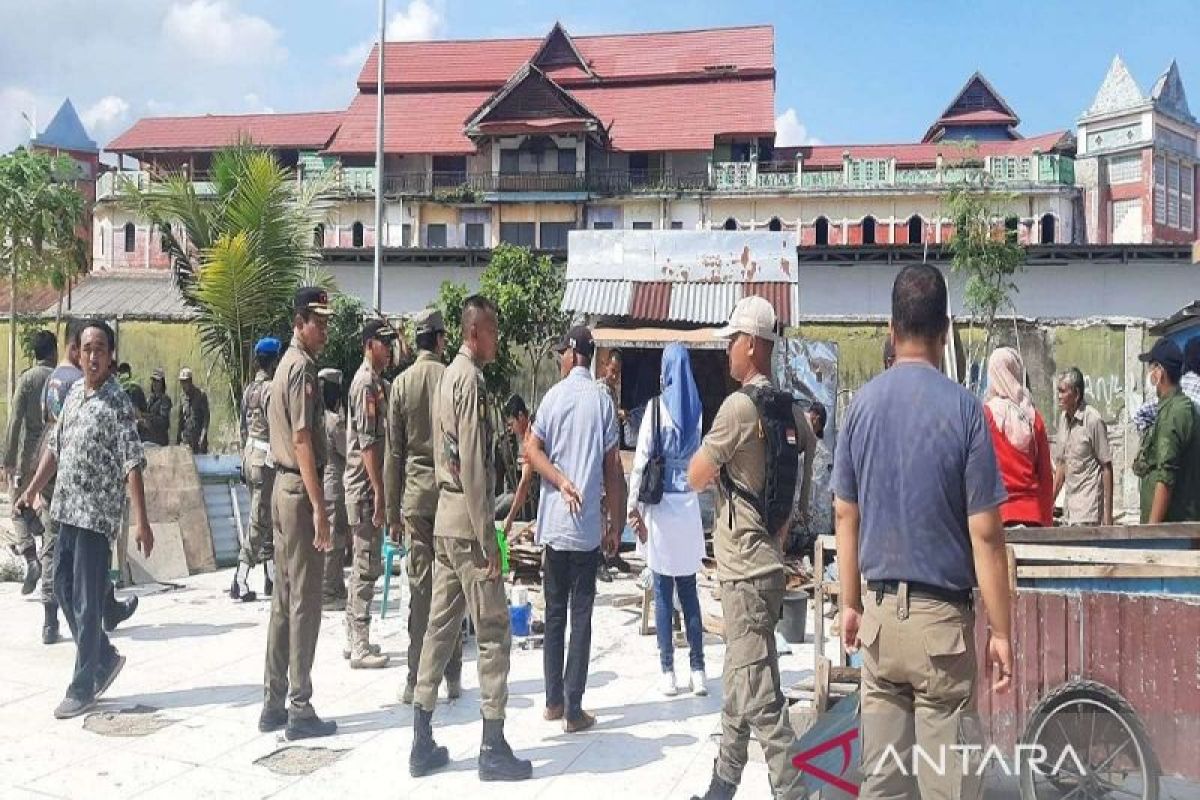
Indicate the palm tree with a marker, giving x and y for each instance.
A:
(238, 252)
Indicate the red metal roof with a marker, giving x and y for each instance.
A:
(642, 117)
(830, 155)
(651, 301)
(779, 295)
(414, 122)
(490, 62)
(211, 132)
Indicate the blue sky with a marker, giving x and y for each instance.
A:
(848, 72)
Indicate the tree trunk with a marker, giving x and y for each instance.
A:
(12, 329)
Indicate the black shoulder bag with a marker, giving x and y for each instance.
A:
(650, 491)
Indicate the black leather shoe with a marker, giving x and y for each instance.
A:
(271, 720)
(308, 728)
(117, 611)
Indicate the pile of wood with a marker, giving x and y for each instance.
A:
(525, 564)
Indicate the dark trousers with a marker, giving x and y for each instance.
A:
(81, 560)
(569, 580)
(665, 587)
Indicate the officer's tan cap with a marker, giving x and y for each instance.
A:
(185, 374)
(159, 374)
(754, 316)
(313, 298)
(330, 374)
(428, 320)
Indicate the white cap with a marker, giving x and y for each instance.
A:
(185, 374)
(754, 316)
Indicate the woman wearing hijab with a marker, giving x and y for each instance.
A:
(670, 530)
(1019, 438)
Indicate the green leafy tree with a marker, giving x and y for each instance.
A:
(40, 213)
(238, 252)
(988, 258)
(343, 349)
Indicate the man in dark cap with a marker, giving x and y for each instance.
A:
(258, 472)
(1168, 462)
(366, 432)
(193, 414)
(301, 528)
(157, 421)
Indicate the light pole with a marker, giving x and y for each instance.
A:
(378, 285)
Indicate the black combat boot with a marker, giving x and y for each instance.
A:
(268, 577)
(718, 789)
(50, 626)
(496, 759)
(33, 572)
(240, 588)
(426, 755)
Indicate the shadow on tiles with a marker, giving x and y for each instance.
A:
(154, 633)
(234, 695)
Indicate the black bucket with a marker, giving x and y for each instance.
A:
(794, 621)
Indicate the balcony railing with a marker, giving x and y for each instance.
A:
(734, 177)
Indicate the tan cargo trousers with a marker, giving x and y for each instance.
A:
(918, 689)
(460, 585)
(753, 699)
(365, 569)
(296, 602)
(420, 587)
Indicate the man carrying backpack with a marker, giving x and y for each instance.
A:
(761, 448)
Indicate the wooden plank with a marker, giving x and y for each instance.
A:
(818, 607)
(1167, 530)
(1129, 654)
(1011, 557)
(1185, 667)
(1105, 571)
(1074, 642)
(1052, 610)
(1105, 555)
(1103, 639)
(821, 684)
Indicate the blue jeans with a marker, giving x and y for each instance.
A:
(81, 560)
(665, 587)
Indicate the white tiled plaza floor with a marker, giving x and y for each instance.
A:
(197, 657)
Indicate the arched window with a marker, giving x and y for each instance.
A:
(1048, 232)
(731, 224)
(822, 231)
(868, 230)
(916, 229)
(775, 224)
(130, 237)
(319, 236)
(356, 234)
(1011, 225)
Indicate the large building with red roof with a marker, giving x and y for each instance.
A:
(523, 140)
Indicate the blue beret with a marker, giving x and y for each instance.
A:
(267, 346)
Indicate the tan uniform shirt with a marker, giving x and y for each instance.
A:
(746, 549)
(411, 487)
(1082, 442)
(365, 428)
(255, 400)
(25, 421)
(296, 406)
(335, 468)
(463, 456)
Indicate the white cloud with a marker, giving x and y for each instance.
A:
(419, 21)
(790, 131)
(216, 31)
(105, 113)
(15, 101)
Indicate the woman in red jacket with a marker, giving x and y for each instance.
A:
(1019, 438)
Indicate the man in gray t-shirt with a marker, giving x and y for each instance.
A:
(573, 446)
(917, 496)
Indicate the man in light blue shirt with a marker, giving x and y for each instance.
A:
(573, 446)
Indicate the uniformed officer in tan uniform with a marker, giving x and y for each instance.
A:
(333, 593)
(466, 574)
(366, 435)
(258, 472)
(301, 525)
(411, 488)
(22, 441)
(750, 559)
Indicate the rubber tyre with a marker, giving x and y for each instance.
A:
(1091, 691)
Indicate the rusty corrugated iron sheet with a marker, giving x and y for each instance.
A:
(703, 303)
(603, 298)
(1144, 647)
(778, 294)
(651, 301)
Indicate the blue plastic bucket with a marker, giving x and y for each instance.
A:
(519, 617)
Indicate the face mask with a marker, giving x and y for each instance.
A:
(1151, 382)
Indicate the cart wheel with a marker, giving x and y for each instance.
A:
(1107, 740)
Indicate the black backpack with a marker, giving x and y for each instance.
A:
(777, 426)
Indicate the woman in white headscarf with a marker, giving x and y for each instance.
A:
(1019, 438)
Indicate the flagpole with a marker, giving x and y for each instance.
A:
(378, 284)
